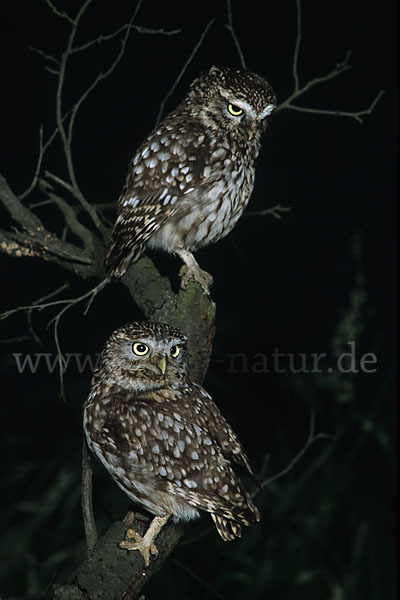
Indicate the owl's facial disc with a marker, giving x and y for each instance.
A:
(153, 362)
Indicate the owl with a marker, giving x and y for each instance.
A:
(162, 438)
(191, 179)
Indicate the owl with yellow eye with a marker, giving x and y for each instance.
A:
(161, 436)
(191, 179)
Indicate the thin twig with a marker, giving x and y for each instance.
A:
(42, 150)
(298, 91)
(65, 137)
(37, 305)
(15, 340)
(100, 77)
(67, 303)
(297, 47)
(60, 13)
(105, 38)
(341, 113)
(311, 438)
(229, 27)
(337, 70)
(44, 55)
(211, 590)
(274, 211)
(29, 313)
(56, 321)
(185, 66)
(69, 213)
(87, 499)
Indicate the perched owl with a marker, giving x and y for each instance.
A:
(161, 436)
(191, 179)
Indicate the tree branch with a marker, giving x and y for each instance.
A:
(275, 211)
(311, 438)
(113, 573)
(110, 571)
(298, 91)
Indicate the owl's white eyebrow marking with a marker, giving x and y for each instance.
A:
(267, 111)
(245, 106)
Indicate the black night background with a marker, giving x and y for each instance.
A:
(318, 280)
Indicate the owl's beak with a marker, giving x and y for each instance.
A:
(162, 364)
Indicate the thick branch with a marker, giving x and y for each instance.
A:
(36, 240)
(112, 573)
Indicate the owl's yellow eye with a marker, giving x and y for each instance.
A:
(175, 350)
(234, 110)
(140, 349)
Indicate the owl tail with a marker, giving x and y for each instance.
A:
(227, 529)
(130, 235)
(119, 257)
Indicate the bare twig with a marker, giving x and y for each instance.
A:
(311, 438)
(211, 591)
(66, 136)
(90, 295)
(339, 113)
(85, 94)
(105, 38)
(42, 151)
(60, 13)
(69, 214)
(44, 55)
(67, 303)
(38, 166)
(299, 90)
(297, 47)
(274, 211)
(87, 502)
(29, 313)
(229, 27)
(185, 66)
(15, 340)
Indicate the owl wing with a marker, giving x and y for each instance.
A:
(139, 217)
(204, 445)
(167, 167)
(223, 432)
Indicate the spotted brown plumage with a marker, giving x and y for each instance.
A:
(161, 436)
(191, 179)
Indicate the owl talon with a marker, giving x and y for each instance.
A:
(145, 544)
(141, 544)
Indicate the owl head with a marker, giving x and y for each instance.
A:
(141, 357)
(241, 99)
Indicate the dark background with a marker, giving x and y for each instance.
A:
(319, 278)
